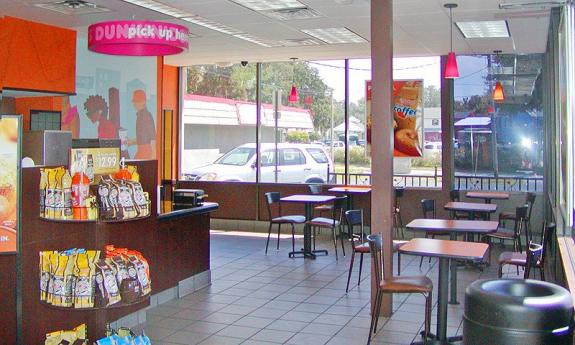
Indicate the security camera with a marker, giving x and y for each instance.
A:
(244, 63)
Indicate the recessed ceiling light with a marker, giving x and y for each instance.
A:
(269, 5)
(210, 24)
(257, 40)
(160, 7)
(484, 29)
(293, 14)
(76, 7)
(335, 35)
(294, 42)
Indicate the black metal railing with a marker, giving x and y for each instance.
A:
(463, 182)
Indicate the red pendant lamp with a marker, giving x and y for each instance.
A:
(293, 96)
(498, 94)
(451, 70)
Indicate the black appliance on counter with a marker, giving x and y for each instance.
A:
(187, 198)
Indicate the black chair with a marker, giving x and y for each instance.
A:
(354, 219)
(411, 284)
(316, 189)
(534, 258)
(454, 196)
(397, 220)
(511, 234)
(428, 209)
(529, 200)
(273, 201)
(335, 222)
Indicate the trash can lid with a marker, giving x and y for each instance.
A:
(519, 304)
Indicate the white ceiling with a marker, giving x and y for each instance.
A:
(421, 27)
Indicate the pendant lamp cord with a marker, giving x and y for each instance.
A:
(451, 28)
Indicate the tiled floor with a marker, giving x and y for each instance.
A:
(259, 299)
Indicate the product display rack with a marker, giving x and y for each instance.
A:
(118, 305)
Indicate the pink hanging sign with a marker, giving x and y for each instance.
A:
(137, 38)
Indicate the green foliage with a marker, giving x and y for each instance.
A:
(357, 156)
(431, 97)
(297, 137)
(314, 136)
(431, 160)
(239, 83)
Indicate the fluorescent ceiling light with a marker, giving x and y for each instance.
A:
(292, 14)
(531, 4)
(335, 35)
(159, 7)
(269, 5)
(484, 29)
(210, 24)
(256, 40)
(294, 42)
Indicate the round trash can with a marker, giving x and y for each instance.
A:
(517, 312)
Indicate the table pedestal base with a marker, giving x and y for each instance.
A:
(307, 254)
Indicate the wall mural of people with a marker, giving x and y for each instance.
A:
(115, 103)
(145, 128)
(70, 118)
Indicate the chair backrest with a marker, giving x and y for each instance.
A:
(273, 198)
(376, 255)
(546, 237)
(520, 220)
(315, 188)
(454, 195)
(398, 191)
(534, 252)
(428, 208)
(354, 219)
(529, 200)
(339, 205)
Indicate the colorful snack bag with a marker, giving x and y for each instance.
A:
(121, 269)
(67, 196)
(125, 200)
(43, 186)
(143, 273)
(69, 279)
(107, 292)
(104, 189)
(57, 286)
(85, 286)
(59, 194)
(139, 199)
(50, 190)
(45, 272)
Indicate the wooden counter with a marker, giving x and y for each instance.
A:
(176, 245)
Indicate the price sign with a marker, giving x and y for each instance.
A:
(95, 161)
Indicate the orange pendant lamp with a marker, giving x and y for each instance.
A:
(498, 94)
(293, 96)
(451, 69)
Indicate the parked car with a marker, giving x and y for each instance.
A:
(338, 144)
(297, 163)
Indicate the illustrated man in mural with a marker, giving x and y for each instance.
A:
(70, 118)
(145, 128)
(97, 111)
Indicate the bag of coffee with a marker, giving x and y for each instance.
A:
(45, 272)
(84, 289)
(107, 210)
(57, 287)
(107, 292)
(125, 200)
(143, 273)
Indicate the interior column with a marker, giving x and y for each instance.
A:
(382, 137)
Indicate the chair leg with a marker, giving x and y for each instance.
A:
(350, 269)
(360, 266)
(293, 238)
(341, 240)
(398, 263)
(374, 316)
(269, 234)
(420, 262)
(334, 242)
(500, 271)
(278, 243)
(313, 230)
(378, 311)
(542, 273)
(428, 308)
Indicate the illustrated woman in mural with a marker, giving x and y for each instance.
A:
(70, 118)
(145, 128)
(97, 111)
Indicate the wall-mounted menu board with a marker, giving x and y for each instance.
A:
(10, 136)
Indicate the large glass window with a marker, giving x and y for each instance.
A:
(307, 129)
(410, 172)
(499, 144)
(219, 123)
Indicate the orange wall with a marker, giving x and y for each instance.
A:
(37, 56)
(168, 99)
(25, 104)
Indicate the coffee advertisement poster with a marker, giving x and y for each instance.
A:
(407, 117)
(9, 158)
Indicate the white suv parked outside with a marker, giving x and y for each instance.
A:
(297, 163)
